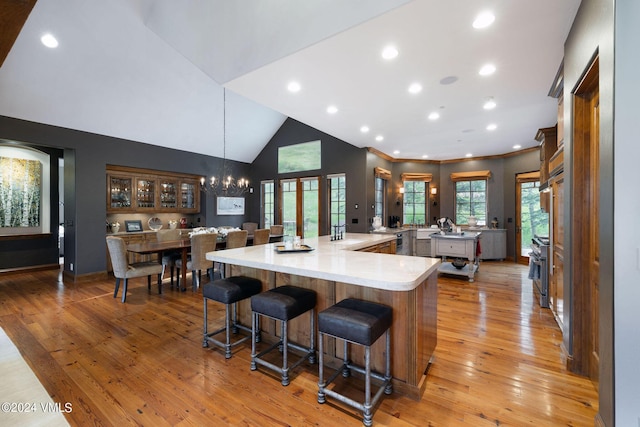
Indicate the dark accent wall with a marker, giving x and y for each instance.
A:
(337, 157)
(86, 156)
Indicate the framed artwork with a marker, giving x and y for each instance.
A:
(133, 225)
(230, 205)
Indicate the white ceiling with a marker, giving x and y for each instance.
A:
(153, 71)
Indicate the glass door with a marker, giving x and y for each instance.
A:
(299, 206)
(531, 219)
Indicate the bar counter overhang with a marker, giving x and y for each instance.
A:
(337, 270)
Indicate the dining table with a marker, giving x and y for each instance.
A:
(182, 245)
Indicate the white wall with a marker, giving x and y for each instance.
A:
(627, 214)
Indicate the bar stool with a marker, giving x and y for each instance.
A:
(358, 322)
(283, 303)
(228, 291)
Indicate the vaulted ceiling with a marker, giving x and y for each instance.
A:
(153, 71)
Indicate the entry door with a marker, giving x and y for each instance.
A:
(299, 206)
(530, 218)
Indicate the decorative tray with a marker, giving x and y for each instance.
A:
(303, 248)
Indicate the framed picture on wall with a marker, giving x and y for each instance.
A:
(230, 205)
(133, 226)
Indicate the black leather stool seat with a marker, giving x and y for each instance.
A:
(228, 291)
(362, 322)
(232, 289)
(284, 302)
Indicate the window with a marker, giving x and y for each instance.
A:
(414, 208)
(288, 204)
(471, 200)
(310, 204)
(380, 186)
(267, 195)
(337, 201)
(381, 177)
(300, 157)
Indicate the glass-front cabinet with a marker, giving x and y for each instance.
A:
(188, 195)
(144, 190)
(119, 193)
(168, 189)
(146, 193)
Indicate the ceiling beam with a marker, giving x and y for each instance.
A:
(13, 15)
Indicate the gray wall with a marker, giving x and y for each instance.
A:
(626, 204)
(86, 156)
(591, 34)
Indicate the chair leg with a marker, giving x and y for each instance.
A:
(178, 278)
(149, 283)
(172, 267)
(115, 292)
(124, 290)
(195, 280)
(159, 283)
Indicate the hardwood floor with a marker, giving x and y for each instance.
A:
(498, 360)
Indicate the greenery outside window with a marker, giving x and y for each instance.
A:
(337, 201)
(471, 200)
(414, 208)
(267, 195)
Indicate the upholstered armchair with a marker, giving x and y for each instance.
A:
(261, 236)
(200, 245)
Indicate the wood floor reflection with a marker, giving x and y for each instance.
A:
(498, 360)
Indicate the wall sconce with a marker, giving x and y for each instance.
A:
(401, 190)
(434, 191)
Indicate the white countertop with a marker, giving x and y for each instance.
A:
(338, 261)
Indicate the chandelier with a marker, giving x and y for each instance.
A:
(224, 184)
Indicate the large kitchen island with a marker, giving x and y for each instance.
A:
(351, 268)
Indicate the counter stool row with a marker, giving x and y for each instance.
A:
(351, 320)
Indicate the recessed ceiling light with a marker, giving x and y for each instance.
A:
(379, 138)
(434, 116)
(489, 105)
(487, 70)
(364, 129)
(424, 156)
(396, 151)
(415, 88)
(492, 126)
(294, 87)
(49, 40)
(517, 146)
(332, 109)
(483, 20)
(469, 155)
(389, 52)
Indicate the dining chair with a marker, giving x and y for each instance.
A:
(251, 227)
(123, 270)
(277, 230)
(169, 257)
(237, 239)
(200, 245)
(261, 236)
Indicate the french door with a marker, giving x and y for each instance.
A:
(530, 218)
(299, 206)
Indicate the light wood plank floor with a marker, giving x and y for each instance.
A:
(498, 360)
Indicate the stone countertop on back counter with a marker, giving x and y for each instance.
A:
(338, 261)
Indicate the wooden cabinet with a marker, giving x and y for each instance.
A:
(556, 269)
(548, 139)
(144, 190)
(493, 244)
(381, 248)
